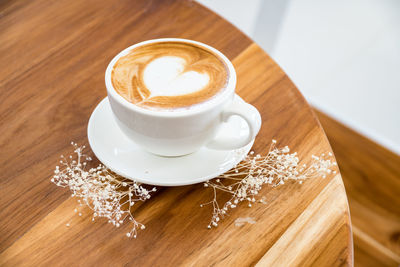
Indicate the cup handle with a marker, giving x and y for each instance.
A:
(249, 113)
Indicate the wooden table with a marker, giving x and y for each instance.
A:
(53, 58)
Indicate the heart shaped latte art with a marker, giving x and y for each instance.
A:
(166, 76)
(169, 75)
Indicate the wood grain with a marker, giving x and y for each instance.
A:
(371, 175)
(302, 238)
(54, 54)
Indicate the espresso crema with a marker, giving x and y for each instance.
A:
(169, 76)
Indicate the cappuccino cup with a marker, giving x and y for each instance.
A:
(171, 95)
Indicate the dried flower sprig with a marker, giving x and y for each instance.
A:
(245, 181)
(112, 196)
(106, 193)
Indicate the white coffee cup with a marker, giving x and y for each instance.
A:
(181, 132)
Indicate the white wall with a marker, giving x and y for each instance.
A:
(241, 13)
(343, 55)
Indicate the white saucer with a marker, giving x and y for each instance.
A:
(126, 158)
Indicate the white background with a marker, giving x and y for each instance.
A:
(344, 56)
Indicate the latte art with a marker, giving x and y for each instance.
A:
(169, 75)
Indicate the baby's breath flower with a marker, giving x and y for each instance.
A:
(111, 196)
(245, 181)
(100, 190)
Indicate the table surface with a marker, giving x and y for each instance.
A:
(54, 54)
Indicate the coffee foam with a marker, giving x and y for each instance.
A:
(165, 76)
(169, 76)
